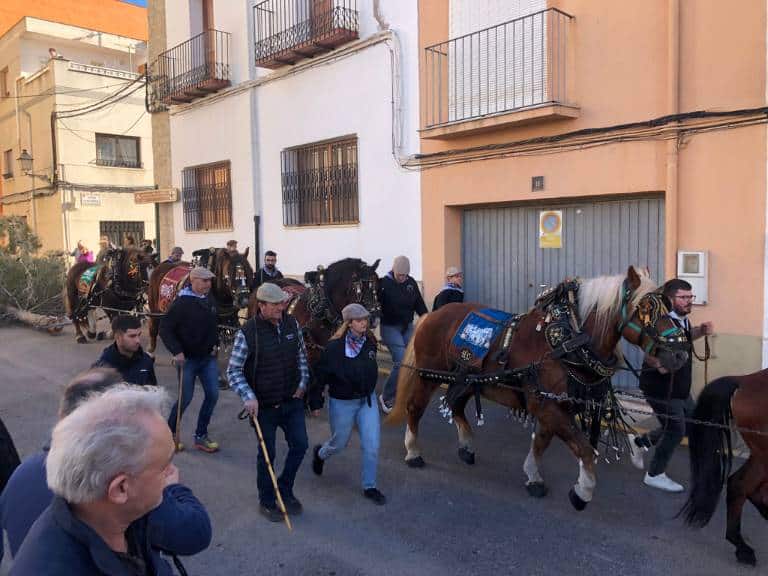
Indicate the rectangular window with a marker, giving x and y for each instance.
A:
(8, 164)
(5, 89)
(121, 151)
(207, 197)
(320, 183)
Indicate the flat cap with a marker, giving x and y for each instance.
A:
(354, 311)
(201, 273)
(272, 293)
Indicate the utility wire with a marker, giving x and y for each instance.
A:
(63, 93)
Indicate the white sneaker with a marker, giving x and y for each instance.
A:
(386, 408)
(636, 452)
(663, 482)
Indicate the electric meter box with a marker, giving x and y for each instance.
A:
(693, 267)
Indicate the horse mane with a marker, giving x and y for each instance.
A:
(334, 275)
(602, 297)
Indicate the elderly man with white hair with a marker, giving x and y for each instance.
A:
(109, 464)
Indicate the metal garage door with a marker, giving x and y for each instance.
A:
(505, 268)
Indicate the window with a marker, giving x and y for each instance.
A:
(8, 164)
(122, 151)
(206, 193)
(320, 183)
(4, 88)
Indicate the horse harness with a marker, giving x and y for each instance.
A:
(112, 270)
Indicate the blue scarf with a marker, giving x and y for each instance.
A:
(452, 286)
(353, 344)
(187, 291)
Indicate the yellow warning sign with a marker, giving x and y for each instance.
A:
(551, 229)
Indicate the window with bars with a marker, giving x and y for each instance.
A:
(8, 164)
(120, 151)
(320, 183)
(207, 197)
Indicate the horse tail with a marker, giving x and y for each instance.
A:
(407, 380)
(710, 450)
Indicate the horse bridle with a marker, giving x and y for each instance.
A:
(672, 339)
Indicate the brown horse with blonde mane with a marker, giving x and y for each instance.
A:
(742, 400)
(608, 307)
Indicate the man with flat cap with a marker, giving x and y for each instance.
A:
(189, 331)
(268, 369)
(453, 291)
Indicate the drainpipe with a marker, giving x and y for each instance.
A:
(765, 247)
(671, 200)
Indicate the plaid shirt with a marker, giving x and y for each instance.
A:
(237, 381)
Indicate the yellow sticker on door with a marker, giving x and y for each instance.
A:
(551, 229)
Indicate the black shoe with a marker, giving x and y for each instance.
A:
(375, 496)
(317, 462)
(292, 505)
(271, 512)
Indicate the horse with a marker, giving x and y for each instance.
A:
(546, 377)
(743, 400)
(233, 276)
(116, 285)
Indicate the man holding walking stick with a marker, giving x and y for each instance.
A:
(268, 369)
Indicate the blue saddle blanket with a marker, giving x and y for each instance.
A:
(476, 335)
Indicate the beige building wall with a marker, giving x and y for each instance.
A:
(631, 62)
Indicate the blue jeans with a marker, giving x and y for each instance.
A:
(207, 370)
(343, 415)
(288, 416)
(396, 340)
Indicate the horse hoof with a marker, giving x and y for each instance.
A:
(417, 462)
(576, 502)
(537, 489)
(100, 336)
(91, 335)
(82, 340)
(746, 555)
(466, 456)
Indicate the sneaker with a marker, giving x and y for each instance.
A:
(180, 447)
(206, 444)
(662, 482)
(292, 505)
(317, 462)
(271, 512)
(636, 452)
(385, 407)
(375, 496)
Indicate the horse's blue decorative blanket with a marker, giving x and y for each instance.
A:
(476, 335)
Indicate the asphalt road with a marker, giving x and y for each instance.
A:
(448, 518)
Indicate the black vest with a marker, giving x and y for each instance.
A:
(275, 375)
(657, 385)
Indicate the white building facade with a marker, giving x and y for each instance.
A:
(290, 135)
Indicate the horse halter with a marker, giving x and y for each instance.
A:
(650, 310)
(364, 292)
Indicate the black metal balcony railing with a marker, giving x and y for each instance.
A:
(190, 70)
(118, 163)
(511, 66)
(287, 31)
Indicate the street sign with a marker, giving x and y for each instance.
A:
(160, 195)
(90, 199)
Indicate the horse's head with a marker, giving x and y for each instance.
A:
(352, 280)
(234, 276)
(651, 328)
(127, 266)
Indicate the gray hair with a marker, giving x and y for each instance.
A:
(86, 384)
(104, 436)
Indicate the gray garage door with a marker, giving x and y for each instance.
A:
(505, 268)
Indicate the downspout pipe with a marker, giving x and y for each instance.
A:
(671, 200)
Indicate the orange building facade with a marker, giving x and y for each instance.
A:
(573, 137)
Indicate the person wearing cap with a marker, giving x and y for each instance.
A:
(189, 331)
(400, 298)
(269, 371)
(348, 367)
(175, 255)
(453, 290)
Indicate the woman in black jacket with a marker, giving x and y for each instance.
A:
(348, 367)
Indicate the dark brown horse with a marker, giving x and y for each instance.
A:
(742, 400)
(115, 286)
(233, 276)
(608, 308)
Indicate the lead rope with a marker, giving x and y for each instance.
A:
(705, 358)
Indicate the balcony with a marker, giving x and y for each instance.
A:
(511, 74)
(191, 70)
(287, 31)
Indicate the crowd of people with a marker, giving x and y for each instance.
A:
(104, 497)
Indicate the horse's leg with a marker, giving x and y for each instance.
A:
(759, 499)
(91, 319)
(154, 326)
(565, 428)
(741, 483)
(417, 403)
(466, 450)
(540, 440)
(79, 336)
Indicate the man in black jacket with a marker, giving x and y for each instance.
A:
(453, 290)
(126, 355)
(189, 331)
(668, 395)
(400, 298)
(268, 272)
(268, 369)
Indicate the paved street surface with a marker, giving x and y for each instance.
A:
(447, 518)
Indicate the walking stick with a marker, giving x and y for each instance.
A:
(177, 433)
(280, 502)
